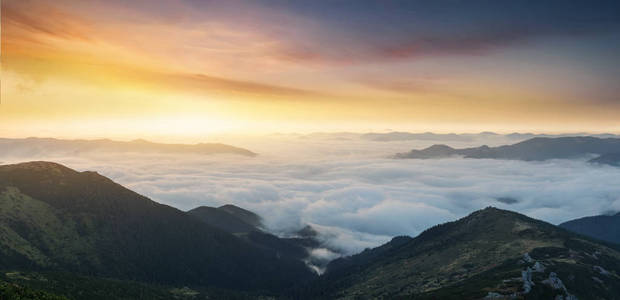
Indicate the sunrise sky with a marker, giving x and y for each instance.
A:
(192, 68)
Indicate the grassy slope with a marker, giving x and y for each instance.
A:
(471, 252)
(11, 291)
(33, 233)
(54, 218)
(62, 285)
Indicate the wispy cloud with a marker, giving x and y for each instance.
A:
(54, 31)
(208, 83)
(42, 18)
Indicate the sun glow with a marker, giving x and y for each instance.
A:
(74, 67)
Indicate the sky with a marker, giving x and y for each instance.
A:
(188, 69)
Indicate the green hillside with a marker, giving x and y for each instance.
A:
(54, 218)
(482, 254)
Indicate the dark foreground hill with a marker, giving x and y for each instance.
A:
(53, 218)
(603, 227)
(529, 150)
(32, 147)
(10, 291)
(490, 253)
(249, 227)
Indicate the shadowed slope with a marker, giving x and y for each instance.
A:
(222, 219)
(237, 221)
(58, 219)
(605, 228)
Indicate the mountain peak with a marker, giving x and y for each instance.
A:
(492, 210)
(473, 256)
(140, 141)
(41, 171)
(439, 147)
(48, 171)
(434, 151)
(229, 218)
(230, 207)
(490, 223)
(243, 214)
(307, 231)
(38, 166)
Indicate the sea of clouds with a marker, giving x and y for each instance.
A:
(351, 191)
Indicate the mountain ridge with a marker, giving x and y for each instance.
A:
(222, 219)
(57, 218)
(535, 149)
(464, 137)
(482, 254)
(34, 146)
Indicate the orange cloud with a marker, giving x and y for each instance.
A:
(42, 40)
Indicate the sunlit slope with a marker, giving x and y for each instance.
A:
(482, 253)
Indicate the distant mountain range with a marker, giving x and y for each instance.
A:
(464, 137)
(79, 235)
(603, 227)
(529, 150)
(407, 136)
(37, 146)
(401, 136)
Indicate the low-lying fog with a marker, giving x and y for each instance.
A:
(351, 191)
